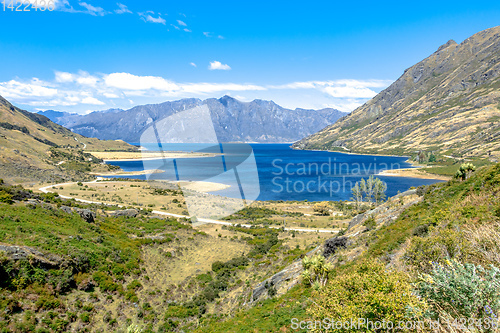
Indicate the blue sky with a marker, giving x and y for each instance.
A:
(94, 55)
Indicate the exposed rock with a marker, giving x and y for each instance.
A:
(289, 274)
(86, 285)
(282, 281)
(66, 209)
(86, 214)
(126, 212)
(333, 244)
(14, 252)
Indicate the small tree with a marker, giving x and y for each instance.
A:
(322, 208)
(379, 189)
(369, 188)
(316, 271)
(432, 158)
(465, 171)
(357, 194)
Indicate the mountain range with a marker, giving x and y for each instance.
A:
(233, 120)
(447, 103)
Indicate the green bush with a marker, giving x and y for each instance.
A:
(444, 244)
(5, 197)
(179, 311)
(461, 290)
(85, 317)
(366, 291)
(47, 303)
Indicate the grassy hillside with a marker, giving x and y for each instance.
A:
(60, 271)
(437, 260)
(447, 104)
(34, 148)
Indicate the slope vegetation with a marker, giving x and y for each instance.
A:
(34, 148)
(448, 103)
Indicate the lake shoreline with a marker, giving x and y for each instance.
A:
(414, 172)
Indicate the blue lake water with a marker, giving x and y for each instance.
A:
(282, 173)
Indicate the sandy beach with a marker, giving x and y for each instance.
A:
(127, 173)
(412, 173)
(133, 156)
(203, 186)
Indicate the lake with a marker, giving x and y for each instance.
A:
(282, 173)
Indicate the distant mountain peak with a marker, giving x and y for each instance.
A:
(437, 105)
(233, 120)
(448, 43)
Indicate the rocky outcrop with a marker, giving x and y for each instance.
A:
(333, 244)
(282, 281)
(14, 252)
(389, 212)
(86, 214)
(125, 212)
(285, 279)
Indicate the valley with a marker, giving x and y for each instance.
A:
(182, 198)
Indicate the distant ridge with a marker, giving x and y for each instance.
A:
(234, 121)
(448, 103)
(28, 145)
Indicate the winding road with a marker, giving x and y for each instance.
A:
(47, 189)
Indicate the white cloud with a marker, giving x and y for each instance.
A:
(193, 64)
(345, 105)
(353, 92)
(203, 88)
(176, 27)
(75, 91)
(210, 35)
(92, 100)
(217, 65)
(110, 95)
(186, 30)
(25, 91)
(92, 10)
(122, 9)
(64, 77)
(82, 78)
(340, 88)
(129, 81)
(146, 17)
(181, 23)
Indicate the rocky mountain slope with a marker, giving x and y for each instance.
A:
(448, 103)
(234, 121)
(32, 147)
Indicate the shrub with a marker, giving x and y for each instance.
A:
(47, 303)
(134, 285)
(367, 291)
(316, 270)
(370, 223)
(85, 317)
(5, 197)
(179, 311)
(446, 244)
(461, 290)
(322, 208)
